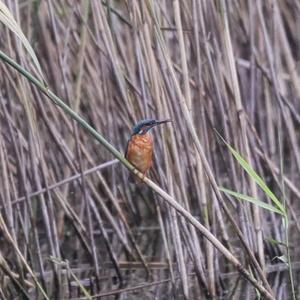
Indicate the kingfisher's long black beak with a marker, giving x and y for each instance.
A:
(149, 127)
(162, 122)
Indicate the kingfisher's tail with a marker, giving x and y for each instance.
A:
(132, 178)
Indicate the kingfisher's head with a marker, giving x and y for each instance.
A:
(144, 126)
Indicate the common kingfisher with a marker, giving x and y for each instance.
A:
(140, 145)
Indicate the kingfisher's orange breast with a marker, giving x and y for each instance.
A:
(139, 151)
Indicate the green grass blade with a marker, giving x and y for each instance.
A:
(247, 167)
(252, 200)
(256, 178)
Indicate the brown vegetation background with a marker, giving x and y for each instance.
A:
(67, 208)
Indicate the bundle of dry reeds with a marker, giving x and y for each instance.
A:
(71, 225)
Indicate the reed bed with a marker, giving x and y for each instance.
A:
(72, 226)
